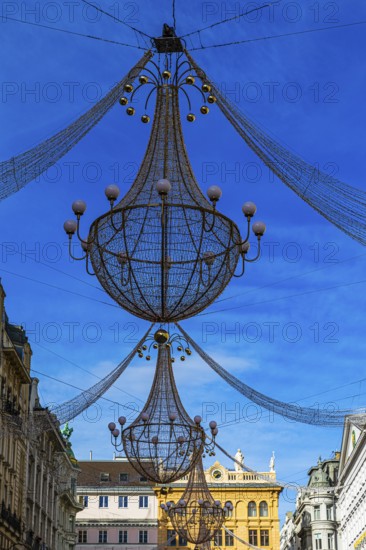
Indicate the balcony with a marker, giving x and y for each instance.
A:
(10, 518)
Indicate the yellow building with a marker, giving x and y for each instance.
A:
(255, 507)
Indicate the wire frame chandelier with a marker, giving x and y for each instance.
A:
(164, 252)
(163, 443)
(196, 516)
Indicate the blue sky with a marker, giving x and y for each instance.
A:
(293, 326)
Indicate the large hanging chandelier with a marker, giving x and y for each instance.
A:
(163, 443)
(164, 252)
(196, 516)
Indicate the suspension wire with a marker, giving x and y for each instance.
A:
(231, 18)
(58, 29)
(270, 300)
(56, 287)
(76, 387)
(291, 278)
(246, 41)
(98, 8)
(83, 369)
(174, 19)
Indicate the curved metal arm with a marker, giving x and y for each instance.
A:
(258, 253)
(87, 266)
(70, 251)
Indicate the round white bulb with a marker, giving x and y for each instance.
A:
(217, 503)
(112, 192)
(215, 431)
(172, 417)
(111, 426)
(79, 207)
(181, 439)
(85, 245)
(122, 420)
(198, 419)
(245, 247)
(259, 229)
(155, 440)
(212, 424)
(249, 209)
(70, 227)
(214, 193)
(163, 187)
(144, 416)
(116, 432)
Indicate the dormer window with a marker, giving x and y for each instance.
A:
(104, 476)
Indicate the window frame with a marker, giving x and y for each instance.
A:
(253, 537)
(82, 536)
(103, 501)
(229, 539)
(143, 505)
(124, 499)
(317, 513)
(252, 508)
(124, 537)
(263, 507)
(145, 534)
(264, 537)
(103, 536)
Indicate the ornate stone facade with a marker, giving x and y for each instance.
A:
(38, 473)
(352, 485)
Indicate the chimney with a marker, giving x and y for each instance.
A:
(91, 455)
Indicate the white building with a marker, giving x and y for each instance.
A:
(120, 507)
(314, 524)
(352, 485)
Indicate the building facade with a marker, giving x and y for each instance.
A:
(15, 381)
(38, 472)
(120, 507)
(351, 487)
(314, 524)
(123, 510)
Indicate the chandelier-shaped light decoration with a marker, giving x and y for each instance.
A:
(164, 252)
(196, 516)
(163, 443)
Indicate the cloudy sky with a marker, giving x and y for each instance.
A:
(293, 326)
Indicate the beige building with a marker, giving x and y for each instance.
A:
(38, 473)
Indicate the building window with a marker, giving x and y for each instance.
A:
(253, 537)
(318, 541)
(122, 537)
(329, 512)
(143, 537)
(103, 502)
(264, 537)
(229, 539)
(143, 502)
(171, 537)
(83, 536)
(104, 476)
(330, 541)
(263, 509)
(85, 501)
(123, 502)
(103, 536)
(252, 509)
(182, 540)
(123, 477)
(316, 512)
(218, 538)
(143, 478)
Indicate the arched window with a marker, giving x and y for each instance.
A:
(252, 509)
(263, 509)
(230, 508)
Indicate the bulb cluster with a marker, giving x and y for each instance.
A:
(166, 77)
(162, 337)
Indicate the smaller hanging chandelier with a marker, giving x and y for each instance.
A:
(163, 443)
(196, 516)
